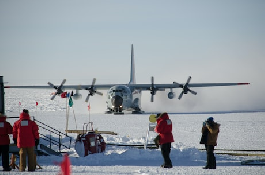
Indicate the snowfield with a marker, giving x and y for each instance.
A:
(238, 131)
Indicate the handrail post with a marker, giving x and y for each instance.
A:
(59, 142)
(50, 140)
(70, 142)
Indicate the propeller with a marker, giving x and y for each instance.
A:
(153, 89)
(186, 89)
(57, 88)
(92, 90)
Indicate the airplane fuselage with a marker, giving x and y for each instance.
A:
(121, 97)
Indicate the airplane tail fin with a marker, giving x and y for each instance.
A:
(132, 78)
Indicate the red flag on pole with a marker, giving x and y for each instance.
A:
(65, 165)
(19, 103)
(64, 95)
(88, 107)
(37, 103)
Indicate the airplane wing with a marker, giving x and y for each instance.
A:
(162, 87)
(215, 84)
(152, 87)
(185, 87)
(69, 87)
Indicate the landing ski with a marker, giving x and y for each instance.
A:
(254, 162)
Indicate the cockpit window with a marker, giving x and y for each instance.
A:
(117, 90)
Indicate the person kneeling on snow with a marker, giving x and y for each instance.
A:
(210, 130)
(164, 129)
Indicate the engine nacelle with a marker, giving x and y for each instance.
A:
(171, 95)
(77, 96)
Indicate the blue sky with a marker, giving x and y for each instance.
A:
(212, 41)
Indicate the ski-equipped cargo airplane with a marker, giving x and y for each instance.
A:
(127, 97)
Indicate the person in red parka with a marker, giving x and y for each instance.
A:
(26, 136)
(164, 128)
(5, 129)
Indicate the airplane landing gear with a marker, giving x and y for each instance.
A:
(137, 110)
(118, 113)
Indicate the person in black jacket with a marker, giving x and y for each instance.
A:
(210, 130)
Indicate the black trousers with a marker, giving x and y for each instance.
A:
(211, 160)
(4, 151)
(165, 151)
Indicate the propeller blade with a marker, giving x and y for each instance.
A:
(152, 89)
(188, 80)
(152, 98)
(64, 80)
(52, 98)
(93, 81)
(180, 95)
(193, 92)
(87, 98)
(52, 85)
(99, 93)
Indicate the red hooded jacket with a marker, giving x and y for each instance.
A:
(25, 131)
(5, 129)
(164, 128)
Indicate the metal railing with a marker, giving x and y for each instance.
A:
(52, 140)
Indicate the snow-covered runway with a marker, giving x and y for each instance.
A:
(238, 131)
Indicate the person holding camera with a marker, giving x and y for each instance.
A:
(164, 129)
(210, 130)
(26, 136)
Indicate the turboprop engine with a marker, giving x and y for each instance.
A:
(171, 95)
(77, 96)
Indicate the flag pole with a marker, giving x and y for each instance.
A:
(36, 107)
(19, 103)
(70, 105)
(89, 111)
(89, 116)
(67, 111)
(74, 118)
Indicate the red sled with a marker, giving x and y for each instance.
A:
(89, 143)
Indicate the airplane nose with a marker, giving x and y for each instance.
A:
(116, 101)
